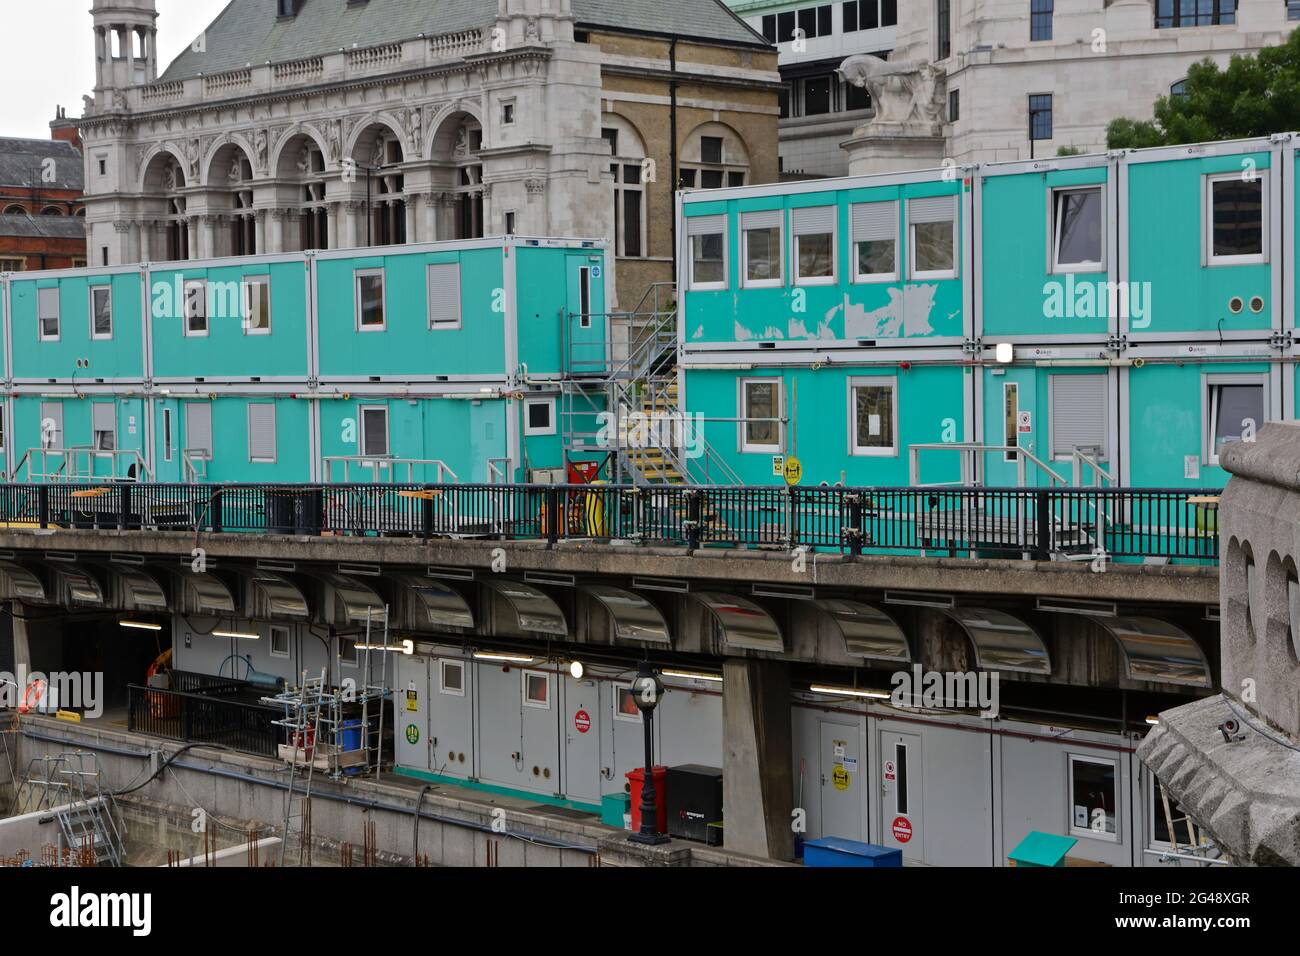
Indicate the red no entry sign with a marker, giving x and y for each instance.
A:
(902, 828)
(582, 721)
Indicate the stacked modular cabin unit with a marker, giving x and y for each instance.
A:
(1142, 294)
(829, 321)
(412, 363)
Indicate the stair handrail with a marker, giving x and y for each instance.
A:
(971, 463)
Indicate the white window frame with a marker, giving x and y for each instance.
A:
(96, 336)
(1087, 831)
(356, 654)
(726, 253)
(526, 698)
(357, 276)
(275, 434)
(868, 277)
(288, 641)
(186, 330)
(362, 431)
(531, 431)
(742, 399)
(246, 283)
(795, 236)
(876, 381)
(745, 281)
(1208, 258)
(428, 299)
(636, 718)
(1209, 413)
(1010, 388)
(1051, 419)
(1055, 266)
(94, 432)
(58, 315)
(169, 436)
(912, 271)
(442, 677)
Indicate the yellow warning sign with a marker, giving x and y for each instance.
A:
(793, 471)
(840, 777)
(412, 700)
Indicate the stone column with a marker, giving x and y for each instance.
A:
(260, 217)
(412, 205)
(429, 210)
(353, 219)
(757, 761)
(207, 237)
(277, 231)
(332, 213)
(146, 239)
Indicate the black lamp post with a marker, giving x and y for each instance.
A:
(647, 688)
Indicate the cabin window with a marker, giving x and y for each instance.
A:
(444, 295)
(370, 300)
(1093, 805)
(261, 432)
(1234, 411)
(537, 689)
(760, 426)
(101, 312)
(104, 426)
(1080, 416)
(196, 307)
(47, 305)
(875, 241)
(539, 416)
(761, 239)
(1077, 230)
(374, 431)
(1236, 218)
(708, 256)
(347, 651)
(279, 640)
(257, 305)
(814, 244)
(453, 678)
(873, 413)
(933, 222)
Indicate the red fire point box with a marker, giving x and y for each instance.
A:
(636, 778)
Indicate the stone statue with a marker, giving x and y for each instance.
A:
(259, 147)
(304, 160)
(235, 174)
(416, 128)
(87, 106)
(903, 92)
(335, 137)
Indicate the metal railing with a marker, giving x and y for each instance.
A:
(972, 463)
(382, 468)
(82, 463)
(197, 718)
(1040, 523)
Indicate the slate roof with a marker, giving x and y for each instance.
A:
(21, 159)
(249, 32)
(26, 226)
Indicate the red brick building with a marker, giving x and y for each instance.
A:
(42, 224)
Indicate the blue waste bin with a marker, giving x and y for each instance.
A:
(837, 852)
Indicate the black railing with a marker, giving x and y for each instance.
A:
(1012, 522)
(198, 718)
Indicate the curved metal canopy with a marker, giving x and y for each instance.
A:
(445, 605)
(211, 595)
(534, 610)
(360, 602)
(1002, 642)
(20, 583)
(142, 588)
(867, 631)
(635, 618)
(283, 598)
(82, 587)
(1157, 650)
(744, 624)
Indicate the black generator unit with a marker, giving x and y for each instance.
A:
(694, 801)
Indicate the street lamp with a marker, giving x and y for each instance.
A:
(647, 688)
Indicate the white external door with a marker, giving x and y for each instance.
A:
(901, 791)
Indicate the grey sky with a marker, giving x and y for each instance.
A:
(48, 57)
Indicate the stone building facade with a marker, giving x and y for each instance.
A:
(1074, 64)
(288, 125)
(42, 223)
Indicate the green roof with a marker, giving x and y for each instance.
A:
(248, 32)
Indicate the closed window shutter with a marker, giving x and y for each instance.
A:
(932, 209)
(48, 303)
(104, 424)
(261, 432)
(767, 219)
(444, 294)
(374, 427)
(705, 225)
(874, 221)
(198, 429)
(1079, 413)
(816, 220)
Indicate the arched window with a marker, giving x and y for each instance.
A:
(14, 210)
(51, 211)
(631, 174)
(714, 156)
(1179, 88)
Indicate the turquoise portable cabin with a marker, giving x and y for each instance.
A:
(1047, 262)
(79, 325)
(95, 431)
(1201, 239)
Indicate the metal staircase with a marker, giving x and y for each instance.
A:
(71, 786)
(627, 411)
